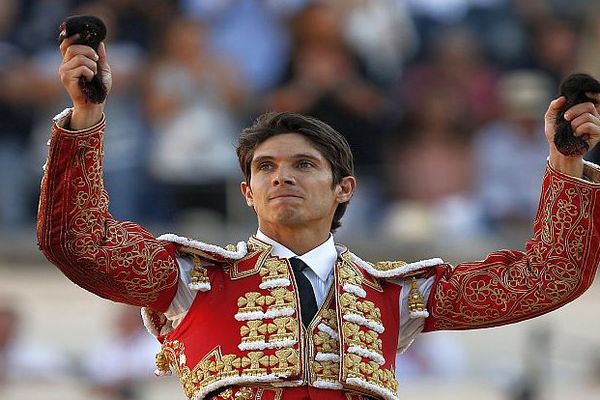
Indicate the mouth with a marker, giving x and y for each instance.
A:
(285, 196)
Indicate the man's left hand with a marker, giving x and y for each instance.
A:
(585, 121)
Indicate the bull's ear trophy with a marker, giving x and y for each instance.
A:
(575, 88)
(91, 32)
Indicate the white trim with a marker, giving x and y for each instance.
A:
(273, 283)
(354, 289)
(385, 393)
(147, 319)
(398, 272)
(359, 319)
(247, 316)
(366, 353)
(158, 372)
(402, 349)
(279, 312)
(237, 380)
(201, 287)
(151, 327)
(327, 385)
(241, 251)
(325, 328)
(287, 383)
(419, 314)
(63, 114)
(277, 344)
(327, 357)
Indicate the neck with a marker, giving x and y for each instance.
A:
(298, 240)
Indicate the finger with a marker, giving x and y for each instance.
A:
(579, 109)
(555, 107)
(79, 60)
(64, 45)
(587, 129)
(102, 62)
(583, 119)
(80, 49)
(102, 52)
(76, 73)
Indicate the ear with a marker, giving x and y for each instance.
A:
(345, 189)
(247, 193)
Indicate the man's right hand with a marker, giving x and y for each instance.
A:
(82, 61)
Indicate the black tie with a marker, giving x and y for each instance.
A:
(308, 302)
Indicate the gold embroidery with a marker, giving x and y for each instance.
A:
(329, 317)
(249, 302)
(244, 393)
(370, 311)
(349, 304)
(326, 371)
(274, 268)
(199, 273)
(285, 360)
(226, 365)
(254, 363)
(253, 331)
(388, 265)
(325, 343)
(348, 274)
(283, 298)
(162, 363)
(416, 302)
(510, 286)
(282, 328)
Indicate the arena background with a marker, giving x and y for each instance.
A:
(441, 100)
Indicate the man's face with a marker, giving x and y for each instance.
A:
(291, 185)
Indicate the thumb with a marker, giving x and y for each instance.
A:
(102, 56)
(554, 108)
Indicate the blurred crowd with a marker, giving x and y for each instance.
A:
(441, 101)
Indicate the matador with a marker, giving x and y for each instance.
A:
(289, 314)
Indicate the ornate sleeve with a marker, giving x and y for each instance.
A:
(558, 264)
(117, 260)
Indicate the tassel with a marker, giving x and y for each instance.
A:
(199, 276)
(416, 302)
(163, 367)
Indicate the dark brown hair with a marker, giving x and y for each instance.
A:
(330, 143)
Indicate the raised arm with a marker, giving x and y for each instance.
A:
(117, 260)
(559, 262)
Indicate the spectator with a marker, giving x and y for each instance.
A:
(15, 122)
(430, 166)
(192, 99)
(117, 367)
(249, 34)
(511, 144)
(23, 359)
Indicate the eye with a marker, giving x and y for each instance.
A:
(305, 164)
(265, 166)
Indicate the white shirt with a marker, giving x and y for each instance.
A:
(320, 261)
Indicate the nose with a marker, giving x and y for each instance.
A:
(283, 176)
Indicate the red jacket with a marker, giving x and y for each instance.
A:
(243, 326)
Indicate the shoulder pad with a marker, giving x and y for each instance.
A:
(395, 269)
(207, 251)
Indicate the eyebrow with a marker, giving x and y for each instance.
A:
(259, 159)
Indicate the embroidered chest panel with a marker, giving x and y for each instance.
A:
(248, 331)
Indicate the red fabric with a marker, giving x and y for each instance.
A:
(294, 393)
(120, 261)
(559, 264)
